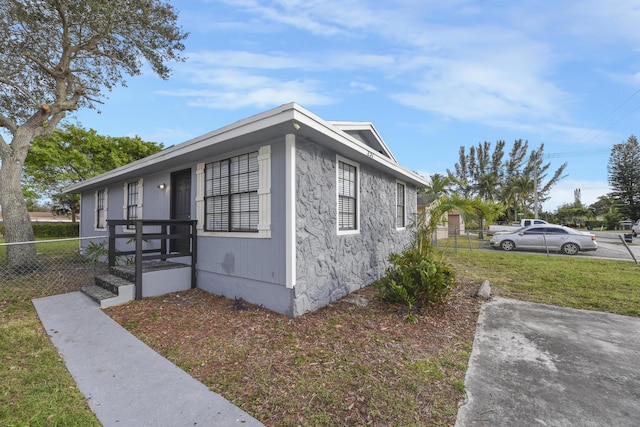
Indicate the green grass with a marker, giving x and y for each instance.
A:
(585, 283)
(48, 247)
(36, 388)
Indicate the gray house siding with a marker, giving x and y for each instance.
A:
(328, 265)
(251, 268)
(155, 205)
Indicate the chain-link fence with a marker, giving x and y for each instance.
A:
(455, 239)
(59, 267)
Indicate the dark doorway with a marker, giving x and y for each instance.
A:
(180, 207)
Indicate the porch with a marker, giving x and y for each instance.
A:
(146, 258)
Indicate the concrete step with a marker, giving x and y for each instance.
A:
(97, 293)
(110, 290)
(112, 283)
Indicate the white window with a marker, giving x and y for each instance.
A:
(400, 205)
(234, 199)
(231, 194)
(101, 207)
(347, 179)
(132, 208)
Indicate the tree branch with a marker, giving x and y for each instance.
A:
(40, 64)
(25, 93)
(8, 124)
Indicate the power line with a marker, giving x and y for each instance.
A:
(611, 114)
(580, 153)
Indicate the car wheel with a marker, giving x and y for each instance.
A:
(570, 248)
(507, 245)
(635, 234)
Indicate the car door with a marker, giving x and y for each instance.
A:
(531, 238)
(556, 237)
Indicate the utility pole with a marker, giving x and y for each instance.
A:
(535, 185)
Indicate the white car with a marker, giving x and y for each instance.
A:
(543, 237)
(635, 228)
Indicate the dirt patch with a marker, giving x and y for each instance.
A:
(354, 362)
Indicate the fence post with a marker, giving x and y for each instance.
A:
(628, 249)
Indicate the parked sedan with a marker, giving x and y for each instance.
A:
(551, 237)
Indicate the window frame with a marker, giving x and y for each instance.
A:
(356, 197)
(138, 206)
(264, 196)
(104, 209)
(237, 188)
(403, 206)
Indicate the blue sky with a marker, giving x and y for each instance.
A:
(431, 75)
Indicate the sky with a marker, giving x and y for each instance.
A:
(431, 76)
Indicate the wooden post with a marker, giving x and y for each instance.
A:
(112, 244)
(138, 260)
(194, 253)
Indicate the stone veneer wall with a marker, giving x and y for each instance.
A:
(330, 266)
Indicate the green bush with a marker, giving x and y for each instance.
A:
(416, 279)
(56, 230)
(45, 230)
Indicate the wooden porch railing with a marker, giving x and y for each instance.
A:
(162, 230)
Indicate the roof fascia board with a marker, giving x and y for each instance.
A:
(390, 163)
(248, 125)
(365, 126)
(273, 117)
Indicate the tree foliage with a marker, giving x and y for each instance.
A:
(76, 154)
(624, 177)
(58, 56)
(490, 176)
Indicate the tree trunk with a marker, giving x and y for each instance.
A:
(17, 225)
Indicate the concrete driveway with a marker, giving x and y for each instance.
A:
(539, 365)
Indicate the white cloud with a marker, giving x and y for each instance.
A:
(563, 193)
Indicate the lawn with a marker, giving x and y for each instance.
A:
(345, 364)
(37, 389)
(586, 283)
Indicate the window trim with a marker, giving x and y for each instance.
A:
(356, 230)
(246, 192)
(105, 208)
(125, 210)
(404, 205)
(264, 197)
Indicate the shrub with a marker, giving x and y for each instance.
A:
(56, 230)
(52, 230)
(416, 279)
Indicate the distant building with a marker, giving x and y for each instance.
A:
(37, 217)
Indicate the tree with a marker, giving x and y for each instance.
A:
(76, 154)
(624, 177)
(604, 204)
(58, 56)
(487, 175)
(440, 199)
(574, 214)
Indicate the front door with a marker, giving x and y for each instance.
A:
(180, 207)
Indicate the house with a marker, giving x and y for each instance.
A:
(293, 211)
(453, 222)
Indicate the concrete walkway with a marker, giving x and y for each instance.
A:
(125, 382)
(538, 365)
